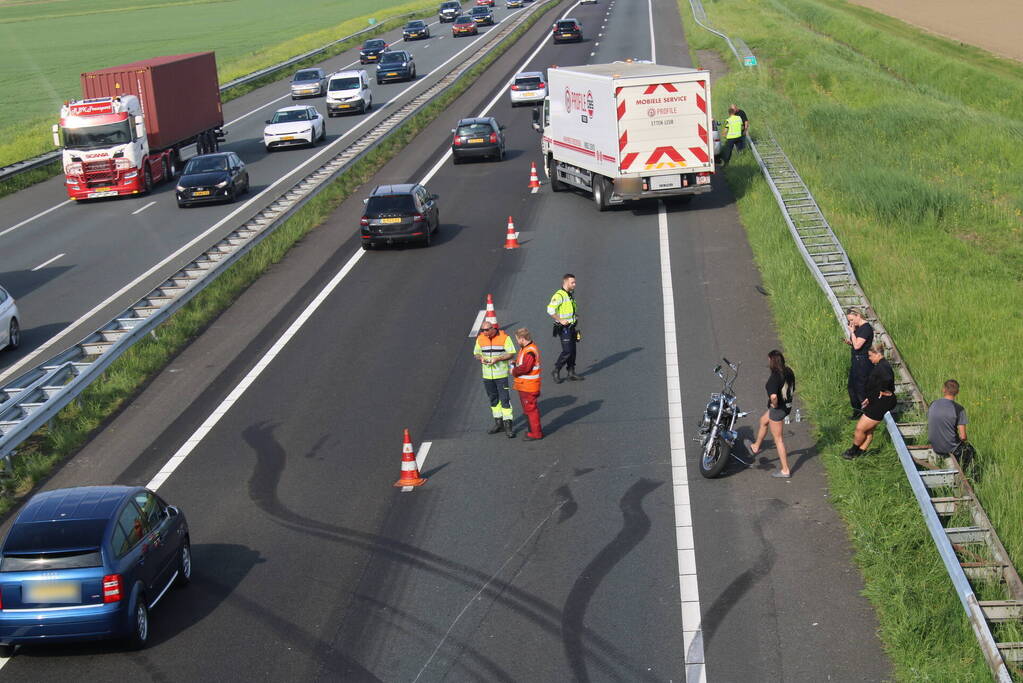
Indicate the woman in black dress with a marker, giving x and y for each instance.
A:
(781, 386)
(880, 399)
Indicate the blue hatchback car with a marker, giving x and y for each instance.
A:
(89, 562)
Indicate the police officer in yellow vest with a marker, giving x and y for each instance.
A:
(734, 130)
(562, 309)
(493, 350)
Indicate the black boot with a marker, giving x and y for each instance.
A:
(497, 426)
(556, 374)
(574, 377)
(851, 452)
(508, 429)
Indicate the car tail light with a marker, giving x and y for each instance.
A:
(457, 141)
(364, 221)
(1, 599)
(112, 588)
(541, 85)
(515, 87)
(493, 137)
(418, 218)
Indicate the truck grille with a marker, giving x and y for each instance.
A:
(99, 173)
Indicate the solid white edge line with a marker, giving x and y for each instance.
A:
(692, 628)
(137, 211)
(32, 218)
(263, 363)
(502, 91)
(47, 262)
(476, 325)
(424, 450)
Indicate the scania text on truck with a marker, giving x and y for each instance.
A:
(126, 133)
(627, 131)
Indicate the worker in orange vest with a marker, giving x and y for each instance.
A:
(527, 381)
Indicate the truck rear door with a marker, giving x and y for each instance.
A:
(665, 128)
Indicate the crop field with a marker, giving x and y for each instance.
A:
(46, 44)
(911, 143)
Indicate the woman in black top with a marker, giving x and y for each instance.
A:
(880, 399)
(781, 386)
(861, 338)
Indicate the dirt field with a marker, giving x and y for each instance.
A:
(993, 25)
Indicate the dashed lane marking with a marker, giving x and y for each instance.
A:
(138, 211)
(476, 325)
(48, 262)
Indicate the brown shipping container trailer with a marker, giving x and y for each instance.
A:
(180, 94)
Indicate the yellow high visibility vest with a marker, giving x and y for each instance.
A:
(498, 346)
(733, 127)
(563, 305)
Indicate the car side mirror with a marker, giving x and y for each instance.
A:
(267, 121)
(172, 511)
(503, 127)
(536, 120)
(366, 200)
(434, 197)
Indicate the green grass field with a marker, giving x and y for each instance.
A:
(46, 44)
(911, 144)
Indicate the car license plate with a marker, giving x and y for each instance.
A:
(52, 591)
(476, 140)
(201, 193)
(665, 182)
(103, 193)
(390, 220)
(703, 180)
(392, 73)
(287, 137)
(566, 35)
(529, 93)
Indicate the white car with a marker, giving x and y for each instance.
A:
(528, 87)
(298, 125)
(348, 91)
(10, 329)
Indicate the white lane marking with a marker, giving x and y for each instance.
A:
(424, 450)
(653, 43)
(12, 370)
(38, 215)
(475, 330)
(137, 211)
(500, 93)
(46, 263)
(263, 363)
(692, 628)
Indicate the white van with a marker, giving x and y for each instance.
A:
(348, 91)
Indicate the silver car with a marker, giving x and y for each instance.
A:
(10, 328)
(308, 83)
(528, 87)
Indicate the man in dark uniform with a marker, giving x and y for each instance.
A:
(562, 309)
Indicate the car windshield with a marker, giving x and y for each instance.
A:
(464, 19)
(290, 116)
(347, 83)
(528, 81)
(205, 165)
(92, 137)
(393, 203)
(566, 25)
(481, 10)
(475, 129)
(373, 45)
(415, 24)
(307, 76)
(393, 58)
(450, 5)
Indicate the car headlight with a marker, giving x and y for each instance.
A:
(222, 184)
(180, 188)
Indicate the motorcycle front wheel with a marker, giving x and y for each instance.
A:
(713, 458)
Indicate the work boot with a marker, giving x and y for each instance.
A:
(508, 429)
(851, 452)
(497, 426)
(574, 377)
(556, 374)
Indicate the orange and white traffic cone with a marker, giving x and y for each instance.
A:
(511, 240)
(534, 180)
(409, 468)
(491, 316)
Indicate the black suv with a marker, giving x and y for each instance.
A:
(371, 50)
(396, 66)
(568, 30)
(449, 11)
(477, 137)
(415, 29)
(399, 213)
(483, 16)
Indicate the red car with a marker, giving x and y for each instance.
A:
(464, 26)
(484, 3)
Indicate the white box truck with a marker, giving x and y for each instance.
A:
(627, 131)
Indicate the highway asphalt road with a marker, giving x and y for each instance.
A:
(549, 561)
(99, 257)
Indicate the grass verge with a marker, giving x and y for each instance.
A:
(892, 129)
(71, 428)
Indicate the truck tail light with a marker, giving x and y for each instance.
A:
(364, 221)
(112, 588)
(493, 137)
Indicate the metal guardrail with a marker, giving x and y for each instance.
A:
(19, 167)
(971, 552)
(31, 400)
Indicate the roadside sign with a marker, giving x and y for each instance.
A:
(749, 60)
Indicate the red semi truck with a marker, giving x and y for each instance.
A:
(126, 133)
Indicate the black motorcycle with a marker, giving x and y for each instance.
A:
(717, 427)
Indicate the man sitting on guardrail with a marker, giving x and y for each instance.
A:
(946, 426)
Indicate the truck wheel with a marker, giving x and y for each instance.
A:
(147, 180)
(600, 192)
(550, 169)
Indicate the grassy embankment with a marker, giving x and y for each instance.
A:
(71, 428)
(911, 145)
(246, 35)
